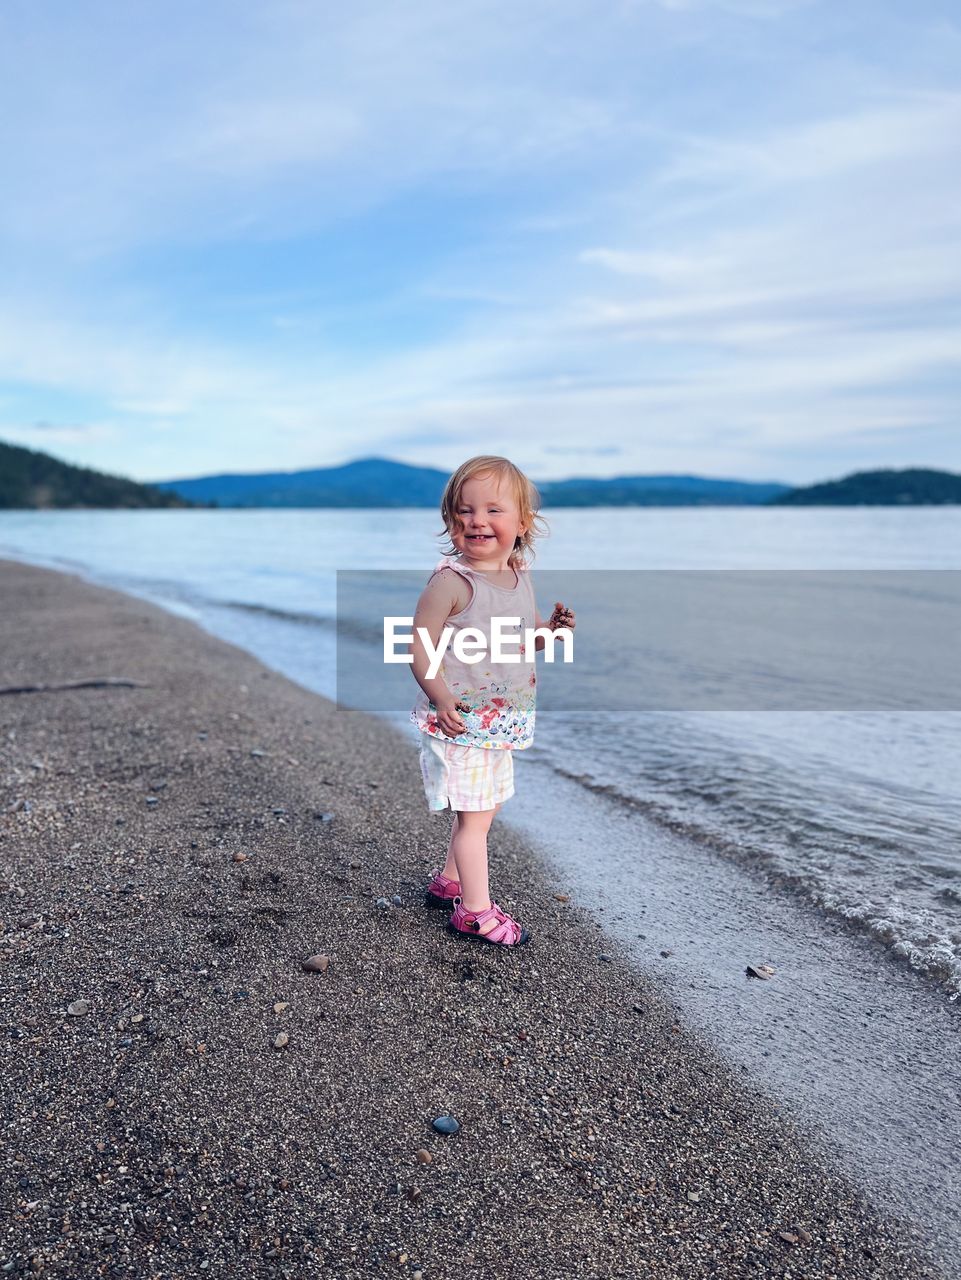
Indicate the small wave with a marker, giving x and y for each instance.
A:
(345, 628)
(300, 617)
(908, 935)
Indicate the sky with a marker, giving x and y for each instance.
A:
(718, 237)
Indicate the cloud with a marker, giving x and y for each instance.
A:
(162, 408)
(917, 126)
(763, 9)
(191, 124)
(658, 266)
(597, 451)
(244, 139)
(42, 435)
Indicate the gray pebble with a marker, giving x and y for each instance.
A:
(77, 1008)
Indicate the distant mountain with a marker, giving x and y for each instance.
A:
(36, 480)
(381, 482)
(913, 486)
(369, 482)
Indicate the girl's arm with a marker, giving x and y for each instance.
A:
(438, 601)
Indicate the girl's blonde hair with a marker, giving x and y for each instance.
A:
(524, 492)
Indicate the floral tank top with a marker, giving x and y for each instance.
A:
(499, 696)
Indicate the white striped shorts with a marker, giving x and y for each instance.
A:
(467, 778)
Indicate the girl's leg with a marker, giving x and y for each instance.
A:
(469, 846)
(450, 866)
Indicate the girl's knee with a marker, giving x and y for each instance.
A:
(476, 817)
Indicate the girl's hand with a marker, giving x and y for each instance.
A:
(561, 617)
(449, 718)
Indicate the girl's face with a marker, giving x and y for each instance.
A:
(488, 521)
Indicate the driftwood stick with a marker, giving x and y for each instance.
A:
(97, 682)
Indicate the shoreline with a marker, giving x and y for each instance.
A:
(599, 1137)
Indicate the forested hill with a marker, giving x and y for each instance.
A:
(912, 486)
(38, 481)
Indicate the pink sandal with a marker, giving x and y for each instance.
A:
(441, 891)
(506, 933)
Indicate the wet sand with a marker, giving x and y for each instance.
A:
(158, 1131)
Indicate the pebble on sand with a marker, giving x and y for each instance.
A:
(77, 1008)
(282, 1040)
(316, 964)
(445, 1124)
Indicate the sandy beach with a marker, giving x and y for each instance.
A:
(172, 848)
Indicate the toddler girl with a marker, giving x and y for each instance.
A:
(473, 717)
